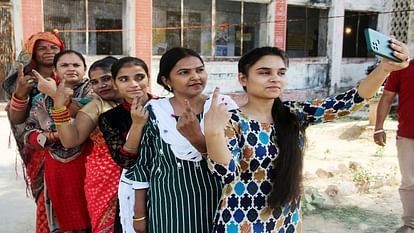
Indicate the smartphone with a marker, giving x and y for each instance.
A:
(379, 44)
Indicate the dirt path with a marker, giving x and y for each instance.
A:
(332, 147)
(17, 211)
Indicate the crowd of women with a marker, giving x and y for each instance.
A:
(102, 154)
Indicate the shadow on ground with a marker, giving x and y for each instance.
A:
(17, 210)
(350, 219)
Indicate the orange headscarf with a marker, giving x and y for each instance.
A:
(26, 55)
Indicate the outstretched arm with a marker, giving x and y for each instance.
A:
(368, 86)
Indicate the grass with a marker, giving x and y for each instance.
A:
(360, 220)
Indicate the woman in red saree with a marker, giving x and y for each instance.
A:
(102, 173)
(64, 167)
(37, 54)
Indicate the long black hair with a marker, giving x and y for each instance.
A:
(286, 175)
(168, 61)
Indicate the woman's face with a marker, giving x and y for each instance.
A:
(132, 81)
(44, 52)
(188, 77)
(103, 84)
(266, 78)
(70, 68)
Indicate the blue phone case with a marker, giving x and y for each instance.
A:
(379, 44)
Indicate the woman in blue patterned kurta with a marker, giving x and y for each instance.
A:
(262, 169)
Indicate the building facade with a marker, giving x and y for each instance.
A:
(324, 38)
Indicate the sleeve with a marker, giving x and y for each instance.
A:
(328, 109)
(393, 82)
(115, 142)
(141, 170)
(228, 173)
(85, 94)
(93, 110)
(32, 128)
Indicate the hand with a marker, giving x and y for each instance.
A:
(400, 51)
(63, 95)
(24, 84)
(380, 138)
(217, 117)
(45, 85)
(140, 226)
(139, 114)
(188, 124)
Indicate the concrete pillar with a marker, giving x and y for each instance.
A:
(410, 39)
(18, 27)
(334, 47)
(128, 24)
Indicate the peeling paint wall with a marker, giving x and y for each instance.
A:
(353, 71)
(366, 5)
(304, 75)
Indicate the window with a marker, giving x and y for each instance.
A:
(354, 44)
(306, 32)
(190, 26)
(88, 26)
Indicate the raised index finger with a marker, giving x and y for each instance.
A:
(134, 102)
(187, 106)
(38, 76)
(20, 70)
(216, 93)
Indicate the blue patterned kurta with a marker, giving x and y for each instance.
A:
(243, 204)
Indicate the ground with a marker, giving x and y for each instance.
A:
(331, 148)
(365, 199)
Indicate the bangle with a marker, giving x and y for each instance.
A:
(18, 105)
(52, 137)
(129, 150)
(379, 131)
(135, 219)
(60, 115)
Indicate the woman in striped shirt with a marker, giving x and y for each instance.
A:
(183, 194)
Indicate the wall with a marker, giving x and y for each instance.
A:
(366, 5)
(353, 70)
(32, 23)
(308, 77)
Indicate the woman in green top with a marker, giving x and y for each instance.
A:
(183, 194)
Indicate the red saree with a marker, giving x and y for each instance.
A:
(101, 185)
(65, 182)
